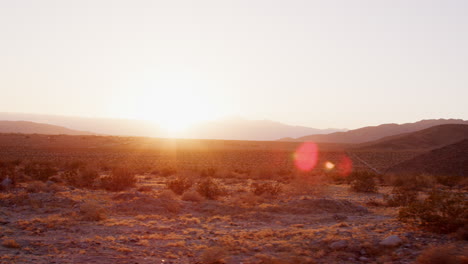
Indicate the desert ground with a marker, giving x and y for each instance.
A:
(103, 199)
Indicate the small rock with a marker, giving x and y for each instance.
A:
(363, 259)
(339, 244)
(339, 217)
(391, 241)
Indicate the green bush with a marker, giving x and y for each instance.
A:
(441, 211)
(363, 181)
(179, 185)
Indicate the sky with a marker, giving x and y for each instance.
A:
(341, 64)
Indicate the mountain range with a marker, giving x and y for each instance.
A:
(26, 127)
(230, 128)
(426, 139)
(371, 133)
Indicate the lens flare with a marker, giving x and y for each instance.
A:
(329, 165)
(345, 166)
(306, 156)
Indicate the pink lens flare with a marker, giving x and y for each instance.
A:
(306, 156)
(345, 166)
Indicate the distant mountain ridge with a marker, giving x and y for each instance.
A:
(371, 133)
(229, 129)
(241, 129)
(451, 160)
(426, 139)
(26, 127)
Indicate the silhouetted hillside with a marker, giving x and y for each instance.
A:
(426, 139)
(26, 127)
(448, 160)
(371, 133)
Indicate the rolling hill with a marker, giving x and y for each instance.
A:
(372, 133)
(449, 160)
(426, 139)
(26, 127)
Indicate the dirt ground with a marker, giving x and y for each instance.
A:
(314, 224)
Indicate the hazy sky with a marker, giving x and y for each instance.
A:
(315, 63)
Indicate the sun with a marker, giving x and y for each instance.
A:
(173, 100)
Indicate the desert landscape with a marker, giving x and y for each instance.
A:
(108, 199)
(233, 132)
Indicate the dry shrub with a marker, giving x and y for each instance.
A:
(165, 172)
(40, 171)
(412, 181)
(268, 188)
(264, 173)
(441, 211)
(208, 172)
(91, 211)
(363, 181)
(86, 178)
(36, 186)
(284, 259)
(209, 189)
(401, 196)
(179, 185)
(120, 179)
(145, 189)
(10, 243)
(170, 201)
(247, 199)
(306, 184)
(192, 196)
(439, 255)
(214, 255)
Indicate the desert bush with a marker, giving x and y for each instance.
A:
(208, 172)
(171, 201)
(166, 171)
(401, 196)
(412, 181)
(306, 185)
(192, 196)
(179, 185)
(336, 178)
(269, 188)
(285, 258)
(92, 212)
(449, 180)
(10, 243)
(119, 180)
(214, 255)
(363, 181)
(209, 188)
(40, 171)
(439, 255)
(441, 211)
(264, 173)
(145, 189)
(81, 178)
(36, 186)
